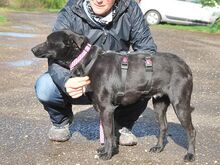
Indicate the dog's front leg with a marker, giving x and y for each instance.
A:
(110, 147)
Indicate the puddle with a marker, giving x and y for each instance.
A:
(18, 35)
(16, 45)
(23, 27)
(10, 45)
(20, 63)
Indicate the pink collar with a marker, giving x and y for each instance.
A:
(80, 56)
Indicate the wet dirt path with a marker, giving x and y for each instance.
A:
(24, 123)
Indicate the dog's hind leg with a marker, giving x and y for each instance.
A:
(160, 106)
(183, 113)
(182, 108)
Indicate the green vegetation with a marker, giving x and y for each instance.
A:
(53, 4)
(3, 20)
(213, 28)
(33, 4)
(210, 2)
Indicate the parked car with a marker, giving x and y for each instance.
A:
(190, 12)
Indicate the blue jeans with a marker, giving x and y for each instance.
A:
(59, 104)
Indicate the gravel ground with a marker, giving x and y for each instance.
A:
(24, 123)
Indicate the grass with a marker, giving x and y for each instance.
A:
(26, 4)
(3, 20)
(214, 28)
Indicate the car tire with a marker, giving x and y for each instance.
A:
(152, 17)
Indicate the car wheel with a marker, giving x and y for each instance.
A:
(152, 17)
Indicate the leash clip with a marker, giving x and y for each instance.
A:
(124, 63)
(148, 64)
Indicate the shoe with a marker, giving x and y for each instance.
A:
(126, 138)
(59, 134)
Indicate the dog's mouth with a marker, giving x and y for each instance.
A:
(41, 55)
(38, 53)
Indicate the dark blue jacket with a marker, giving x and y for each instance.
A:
(128, 29)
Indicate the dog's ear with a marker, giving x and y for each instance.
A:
(79, 40)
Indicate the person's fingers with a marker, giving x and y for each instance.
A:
(80, 79)
(83, 78)
(83, 83)
(70, 90)
(75, 87)
(76, 94)
(77, 82)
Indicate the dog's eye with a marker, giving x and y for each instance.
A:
(57, 45)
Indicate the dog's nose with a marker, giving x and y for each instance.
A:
(34, 50)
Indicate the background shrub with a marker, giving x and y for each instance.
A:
(25, 4)
(4, 3)
(51, 4)
(215, 27)
(2, 20)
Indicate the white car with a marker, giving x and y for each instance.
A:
(190, 12)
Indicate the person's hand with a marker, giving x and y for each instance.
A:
(75, 87)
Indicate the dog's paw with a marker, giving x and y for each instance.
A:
(156, 149)
(189, 157)
(105, 156)
(100, 150)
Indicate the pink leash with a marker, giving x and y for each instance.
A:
(80, 57)
(101, 133)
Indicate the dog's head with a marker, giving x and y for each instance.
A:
(60, 45)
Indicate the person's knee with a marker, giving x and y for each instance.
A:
(45, 88)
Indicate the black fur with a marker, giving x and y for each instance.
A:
(171, 83)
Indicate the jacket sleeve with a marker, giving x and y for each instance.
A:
(58, 73)
(141, 38)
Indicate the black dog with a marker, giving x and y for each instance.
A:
(171, 80)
